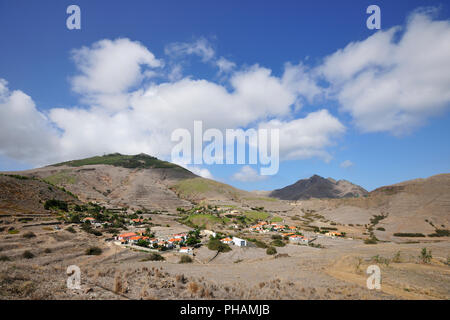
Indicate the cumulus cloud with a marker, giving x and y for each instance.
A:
(109, 68)
(396, 79)
(25, 133)
(346, 164)
(124, 113)
(306, 137)
(248, 174)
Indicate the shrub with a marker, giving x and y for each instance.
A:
(47, 250)
(371, 240)
(13, 231)
(406, 234)
(29, 235)
(93, 251)
(28, 255)
(71, 229)
(278, 243)
(142, 243)
(154, 257)
(185, 259)
(440, 233)
(4, 258)
(425, 255)
(396, 258)
(56, 204)
(271, 251)
(215, 244)
(381, 229)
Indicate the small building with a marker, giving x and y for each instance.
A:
(89, 219)
(239, 242)
(137, 221)
(333, 234)
(185, 250)
(182, 236)
(134, 239)
(126, 236)
(226, 240)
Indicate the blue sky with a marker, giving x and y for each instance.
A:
(37, 59)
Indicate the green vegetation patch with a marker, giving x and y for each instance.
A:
(256, 215)
(142, 161)
(407, 234)
(93, 251)
(440, 233)
(202, 219)
(277, 219)
(62, 177)
(196, 186)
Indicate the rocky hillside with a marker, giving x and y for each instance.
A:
(22, 195)
(420, 206)
(318, 187)
(134, 181)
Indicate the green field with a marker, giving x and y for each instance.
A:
(276, 219)
(256, 215)
(61, 178)
(203, 220)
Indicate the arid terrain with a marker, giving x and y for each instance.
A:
(44, 229)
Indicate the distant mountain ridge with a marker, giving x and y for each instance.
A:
(319, 187)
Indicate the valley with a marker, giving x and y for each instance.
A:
(141, 228)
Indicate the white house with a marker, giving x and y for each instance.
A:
(185, 250)
(239, 242)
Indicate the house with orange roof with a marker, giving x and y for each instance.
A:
(126, 236)
(185, 250)
(226, 240)
(137, 221)
(89, 219)
(134, 239)
(298, 239)
(288, 234)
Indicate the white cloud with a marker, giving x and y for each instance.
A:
(200, 47)
(248, 174)
(306, 137)
(225, 65)
(202, 172)
(394, 85)
(109, 68)
(124, 113)
(24, 131)
(346, 164)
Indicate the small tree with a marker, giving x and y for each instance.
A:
(271, 250)
(425, 255)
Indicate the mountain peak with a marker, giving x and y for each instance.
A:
(318, 187)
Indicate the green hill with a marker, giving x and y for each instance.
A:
(142, 161)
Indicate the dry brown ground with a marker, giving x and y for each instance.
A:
(300, 272)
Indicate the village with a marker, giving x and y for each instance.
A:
(140, 235)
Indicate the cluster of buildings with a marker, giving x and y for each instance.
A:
(176, 241)
(264, 226)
